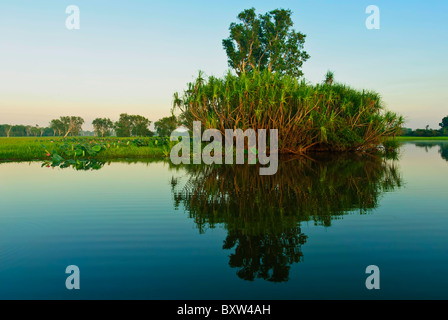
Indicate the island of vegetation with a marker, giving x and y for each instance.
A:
(264, 89)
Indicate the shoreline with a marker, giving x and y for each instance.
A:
(16, 149)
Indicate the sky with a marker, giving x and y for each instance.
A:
(131, 56)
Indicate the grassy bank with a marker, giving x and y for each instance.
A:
(43, 148)
(422, 138)
(32, 148)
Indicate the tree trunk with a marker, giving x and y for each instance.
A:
(8, 132)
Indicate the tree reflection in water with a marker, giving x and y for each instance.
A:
(443, 147)
(262, 214)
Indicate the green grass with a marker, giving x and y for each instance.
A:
(422, 138)
(30, 148)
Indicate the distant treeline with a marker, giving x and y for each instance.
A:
(126, 126)
(427, 132)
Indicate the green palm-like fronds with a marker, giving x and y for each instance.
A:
(328, 116)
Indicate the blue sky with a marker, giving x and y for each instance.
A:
(131, 56)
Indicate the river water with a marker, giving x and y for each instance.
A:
(151, 230)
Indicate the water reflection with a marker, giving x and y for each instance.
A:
(262, 214)
(443, 147)
(78, 165)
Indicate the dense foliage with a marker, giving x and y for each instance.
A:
(71, 126)
(322, 117)
(133, 125)
(427, 132)
(166, 125)
(265, 42)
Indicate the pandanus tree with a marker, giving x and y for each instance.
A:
(329, 78)
(307, 117)
(267, 93)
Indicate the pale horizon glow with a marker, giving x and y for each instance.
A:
(130, 57)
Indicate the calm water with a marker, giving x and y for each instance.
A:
(148, 230)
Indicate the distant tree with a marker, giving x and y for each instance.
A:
(48, 132)
(57, 126)
(140, 126)
(426, 132)
(132, 125)
(34, 131)
(406, 132)
(166, 125)
(8, 130)
(5, 130)
(444, 126)
(123, 127)
(265, 42)
(87, 133)
(103, 126)
(19, 131)
(38, 130)
(444, 123)
(72, 125)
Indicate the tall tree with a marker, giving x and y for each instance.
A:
(265, 42)
(103, 126)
